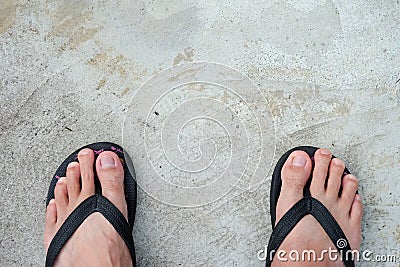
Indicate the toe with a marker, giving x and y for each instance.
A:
(73, 184)
(295, 173)
(51, 219)
(51, 213)
(349, 189)
(111, 175)
(336, 170)
(356, 211)
(322, 159)
(61, 194)
(356, 214)
(86, 160)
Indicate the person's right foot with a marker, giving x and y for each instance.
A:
(326, 182)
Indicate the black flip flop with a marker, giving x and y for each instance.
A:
(307, 205)
(96, 203)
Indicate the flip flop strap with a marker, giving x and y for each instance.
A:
(95, 203)
(312, 206)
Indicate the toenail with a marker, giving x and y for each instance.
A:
(299, 161)
(107, 161)
(358, 197)
(71, 165)
(352, 177)
(337, 162)
(325, 151)
(84, 152)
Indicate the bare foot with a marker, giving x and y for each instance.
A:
(95, 242)
(325, 185)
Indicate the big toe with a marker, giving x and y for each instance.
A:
(295, 174)
(111, 175)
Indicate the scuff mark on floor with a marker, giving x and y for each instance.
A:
(7, 14)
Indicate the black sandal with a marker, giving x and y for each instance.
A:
(307, 205)
(96, 203)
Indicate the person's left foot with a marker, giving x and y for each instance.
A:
(95, 242)
(325, 185)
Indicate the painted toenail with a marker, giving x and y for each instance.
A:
(107, 161)
(325, 151)
(299, 161)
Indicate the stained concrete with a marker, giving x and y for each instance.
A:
(328, 72)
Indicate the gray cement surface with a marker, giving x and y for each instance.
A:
(327, 72)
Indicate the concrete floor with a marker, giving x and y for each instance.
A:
(326, 72)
